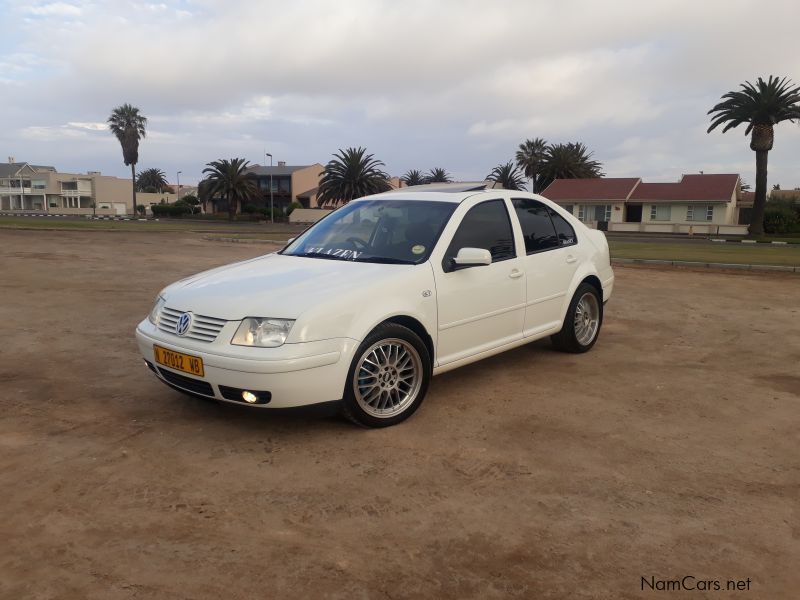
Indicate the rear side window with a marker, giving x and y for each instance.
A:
(485, 226)
(564, 231)
(537, 226)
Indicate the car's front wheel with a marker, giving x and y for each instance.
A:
(388, 378)
(582, 323)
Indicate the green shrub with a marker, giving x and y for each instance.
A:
(782, 216)
(178, 209)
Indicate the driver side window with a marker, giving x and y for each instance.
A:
(486, 226)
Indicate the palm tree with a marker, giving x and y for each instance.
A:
(352, 173)
(508, 176)
(761, 106)
(129, 126)
(438, 175)
(152, 180)
(230, 179)
(413, 177)
(567, 161)
(529, 157)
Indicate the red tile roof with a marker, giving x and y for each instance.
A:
(708, 188)
(597, 188)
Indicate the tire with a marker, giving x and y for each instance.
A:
(582, 323)
(379, 394)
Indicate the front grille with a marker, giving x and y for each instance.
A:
(204, 329)
(187, 383)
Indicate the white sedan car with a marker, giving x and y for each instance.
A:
(362, 308)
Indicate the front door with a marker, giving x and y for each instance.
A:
(480, 307)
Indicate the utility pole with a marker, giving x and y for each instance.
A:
(271, 207)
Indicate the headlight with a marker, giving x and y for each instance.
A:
(263, 332)
(153, 316)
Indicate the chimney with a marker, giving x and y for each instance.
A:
(281, 163)
(11, 159)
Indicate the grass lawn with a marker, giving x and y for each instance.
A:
(247, 228)
(748, 254)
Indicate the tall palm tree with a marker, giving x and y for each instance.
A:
(508, 176)
(129, 127)
(529, 157)
(413, 177)
(438, 175)
(761, 106)
(230, 179)
(567, 161)
(350, 174)
(152, 180)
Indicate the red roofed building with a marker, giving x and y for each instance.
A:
(706, 203)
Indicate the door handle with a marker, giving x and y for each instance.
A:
(515, 274)
(571, 259)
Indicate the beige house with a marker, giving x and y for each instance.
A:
(26, 188)
(702, 203)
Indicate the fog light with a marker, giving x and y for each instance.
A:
(249, 397)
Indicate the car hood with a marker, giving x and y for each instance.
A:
(274, 285)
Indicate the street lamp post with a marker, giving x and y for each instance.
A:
(271, 208)
(179, 183)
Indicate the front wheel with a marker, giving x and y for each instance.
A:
(582, 322)
(388, 378)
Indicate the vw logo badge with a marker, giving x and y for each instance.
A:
(183, 324)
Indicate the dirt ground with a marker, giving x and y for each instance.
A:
(670, 450)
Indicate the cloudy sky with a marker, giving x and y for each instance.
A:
(457, 84)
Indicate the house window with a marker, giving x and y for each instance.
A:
(701, 212)
(582, 212)
(568, 208)
(602, 212)
(660, 212)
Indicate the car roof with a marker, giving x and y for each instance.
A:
(443, 192)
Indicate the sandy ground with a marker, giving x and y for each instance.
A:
(670, 450)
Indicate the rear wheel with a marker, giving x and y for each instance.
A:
(388, 378)
(582, 322)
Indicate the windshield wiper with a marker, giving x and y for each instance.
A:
(319, 255)
(384, 260)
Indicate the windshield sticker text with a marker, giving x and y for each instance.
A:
(339, 252)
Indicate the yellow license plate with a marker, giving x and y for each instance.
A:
(179, 361)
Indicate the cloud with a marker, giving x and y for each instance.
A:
(55, 9)
(456, 83)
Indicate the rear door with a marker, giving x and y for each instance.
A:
(550, 263)
(480, 307)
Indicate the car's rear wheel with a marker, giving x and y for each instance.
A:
(388, 378)
(582, 322)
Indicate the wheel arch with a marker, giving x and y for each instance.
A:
(594, 281)
(417, 327)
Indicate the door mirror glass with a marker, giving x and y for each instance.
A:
(472, 257)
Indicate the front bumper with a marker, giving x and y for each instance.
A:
(294, 374)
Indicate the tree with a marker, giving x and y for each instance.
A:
(350, 174)
(229, 179)
(413, 177)
(761, 107)
(438, 175)
(776, 187)
(567, 161)
(129, 127)
(529, 157)
(744, 186)
(508, 176)
(153, 181)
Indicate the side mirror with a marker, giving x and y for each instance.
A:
(472, 257)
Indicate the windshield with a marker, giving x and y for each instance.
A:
(382, 231)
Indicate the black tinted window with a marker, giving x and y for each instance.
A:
(537, 228)
(565, 232)
(485, 226)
